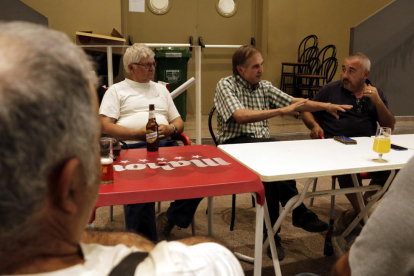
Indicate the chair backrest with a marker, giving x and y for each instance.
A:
(308, 54)
(327, 52)
(309, 41)
(183, 138)
(328, 69)
(313, 67)
(210, 126)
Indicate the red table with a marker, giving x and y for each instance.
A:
(181, 173)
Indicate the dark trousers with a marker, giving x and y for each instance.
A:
(276, 191)
(140, 218)
(378, 178)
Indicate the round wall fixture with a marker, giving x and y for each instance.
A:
(226, 8)
(159, 6)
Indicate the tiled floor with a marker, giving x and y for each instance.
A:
(304, 251)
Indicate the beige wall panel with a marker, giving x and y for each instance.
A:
(195, 18)
(173, 27)
(290, 21)
(99, 16)
(218, 30)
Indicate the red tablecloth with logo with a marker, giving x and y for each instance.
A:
(177, 173)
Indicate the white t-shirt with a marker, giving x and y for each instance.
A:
(167, 258)
(128, 102)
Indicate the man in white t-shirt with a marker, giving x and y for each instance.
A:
(124, 115)
(50, 171)
(125, 106)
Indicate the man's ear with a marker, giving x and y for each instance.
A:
(366, 73)
(240, 70)
(66, 185)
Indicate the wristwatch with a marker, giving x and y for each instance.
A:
(175, 129)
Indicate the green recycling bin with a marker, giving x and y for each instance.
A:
(172, 68)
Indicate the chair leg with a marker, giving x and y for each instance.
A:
(233, 212)
(315, 182)
(331, 216)
(253, 202)
(111, 213)
(193, 229)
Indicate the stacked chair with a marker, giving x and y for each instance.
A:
(313, 69)
(307, 50)
(320, 71)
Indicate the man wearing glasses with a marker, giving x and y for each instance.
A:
(124, 114)
(370, 106)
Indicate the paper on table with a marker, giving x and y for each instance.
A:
(137, 5)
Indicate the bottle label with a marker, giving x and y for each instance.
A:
(152, 136)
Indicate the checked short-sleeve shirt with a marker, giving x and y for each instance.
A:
(233, 93)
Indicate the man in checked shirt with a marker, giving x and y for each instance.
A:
(245, 103)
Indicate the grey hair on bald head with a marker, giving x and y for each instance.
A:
(365, 62)
(46, 118)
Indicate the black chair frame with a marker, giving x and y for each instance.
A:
(233, 203)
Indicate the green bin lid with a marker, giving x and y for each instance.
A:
(172, 52)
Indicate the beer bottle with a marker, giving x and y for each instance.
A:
(328, 248)
(152, 130)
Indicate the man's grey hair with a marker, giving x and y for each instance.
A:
(135, 53)
(366, 63)
(46, 118)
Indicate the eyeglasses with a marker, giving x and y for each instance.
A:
(361, 106)
(147, 65)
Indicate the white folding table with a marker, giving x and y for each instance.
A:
(285, 160)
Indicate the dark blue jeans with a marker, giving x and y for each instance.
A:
(140, 218)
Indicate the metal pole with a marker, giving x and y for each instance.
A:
(110, 66)
(197, 55)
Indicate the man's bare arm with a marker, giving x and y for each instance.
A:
(312, 106)
(342, 267)
(120, 132)
(114, 238)
(385, 117)
(311, 123)
(244, 116)
(165, 131)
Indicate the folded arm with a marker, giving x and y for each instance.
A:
(165, 131)
(120, 132)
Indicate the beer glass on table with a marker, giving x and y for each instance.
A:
(107, 169)
(382, 143)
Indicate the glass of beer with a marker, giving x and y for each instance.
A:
(382, 143)
(107, 169)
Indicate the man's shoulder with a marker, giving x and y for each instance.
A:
(157, 85)
(228, 80)
(266, 83)
(332, 85)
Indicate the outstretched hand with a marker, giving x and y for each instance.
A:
(334, 108)
(293, 108)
